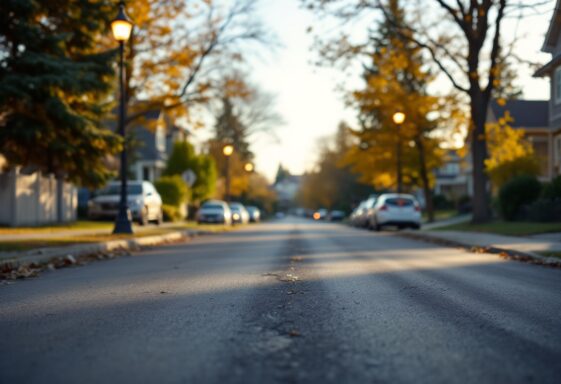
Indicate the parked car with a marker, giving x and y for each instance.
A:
(214, 211)
(363, 212)
(320, 214)
(239, 213)
(392, 209)
(145, 203)
(336, 215)
(254, 214)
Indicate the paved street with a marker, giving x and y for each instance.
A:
(288, 301)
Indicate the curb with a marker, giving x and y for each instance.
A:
(510, 254)
(69, 253)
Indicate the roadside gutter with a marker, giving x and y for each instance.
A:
(27, 264)
(507, 252)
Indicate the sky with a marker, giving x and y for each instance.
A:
(307, 98)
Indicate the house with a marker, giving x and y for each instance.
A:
(451, 179)
(531, 116)
(286, 189)
(552, 70)
(154, 136)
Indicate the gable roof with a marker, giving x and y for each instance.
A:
(552, 35)
(525, 113)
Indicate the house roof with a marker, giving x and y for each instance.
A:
(552, 35)
(525, 113)
(546, 69)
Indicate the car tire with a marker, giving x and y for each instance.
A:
(416, 227)
(143, 218)
(160, 218)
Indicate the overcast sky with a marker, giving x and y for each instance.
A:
(307, 98)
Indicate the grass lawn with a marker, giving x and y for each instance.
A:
(78, 225)
(551, 254)
(51, 240)
(510, 228)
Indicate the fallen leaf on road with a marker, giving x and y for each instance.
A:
(294, 333)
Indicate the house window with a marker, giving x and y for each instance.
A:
(146, 173)
(557, 85)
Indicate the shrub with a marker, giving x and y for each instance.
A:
(543, 210)
(173, 190)
(171, 213)
(517, 192)
(464, 204)
(552, 190)
(441, 202)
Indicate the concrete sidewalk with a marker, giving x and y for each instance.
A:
(45, 255)
(521, 246)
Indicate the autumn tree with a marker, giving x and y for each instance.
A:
(510, 154)
(332, 184)
(54, 86)
(396, 80)
(180, 51)
(463, 39)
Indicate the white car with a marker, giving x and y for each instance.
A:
(144, 202)
(239, 213)
(398, 210)
(214, 211)
(254, 214)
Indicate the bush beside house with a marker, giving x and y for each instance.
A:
(174, 193)
(525, 198)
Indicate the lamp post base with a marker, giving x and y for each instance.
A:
(123, 223)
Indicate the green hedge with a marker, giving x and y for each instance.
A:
(173, 190)
(171, 213)
(516, 193)
(552, 190)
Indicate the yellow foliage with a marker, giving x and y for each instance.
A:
(510, 154)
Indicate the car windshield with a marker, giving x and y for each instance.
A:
(399, 202)
(115, 189)
(212, 206)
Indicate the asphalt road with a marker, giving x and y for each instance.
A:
(290, 301)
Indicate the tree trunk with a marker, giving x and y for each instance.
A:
(481, 212)
(427, 191)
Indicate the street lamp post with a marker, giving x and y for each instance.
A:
(227, 151)
(121, 28)
(398, 119)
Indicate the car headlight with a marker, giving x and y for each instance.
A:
(236, 216)
(135, 202)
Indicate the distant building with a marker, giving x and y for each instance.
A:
(286, 189)
(452, 179)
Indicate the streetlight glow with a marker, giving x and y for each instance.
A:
(249, 167)
(228, 150)
(399, 118)
(121, 26)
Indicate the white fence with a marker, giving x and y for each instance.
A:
(35, 199)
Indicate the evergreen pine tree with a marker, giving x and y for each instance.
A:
(55, 87)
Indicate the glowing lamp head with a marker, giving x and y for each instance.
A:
(121, 25)
(249, 167)
(399, 117)
(228, 150)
